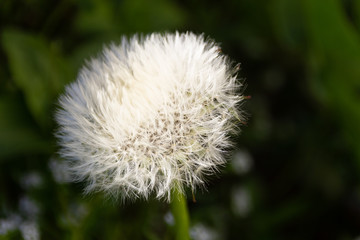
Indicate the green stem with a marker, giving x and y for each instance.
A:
(181, 215)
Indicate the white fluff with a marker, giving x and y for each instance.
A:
(149, 115)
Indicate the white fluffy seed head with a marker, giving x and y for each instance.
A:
(151, 114)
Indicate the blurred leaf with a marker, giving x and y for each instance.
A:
(129, 16)
(95, 16)
(335, 61)
(89, 49)
(288, 23)
(356, 9)
(157, 15)
(17, 134)
(330, 30)
(270, 222)
(37, 70)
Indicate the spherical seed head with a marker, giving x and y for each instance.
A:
(151, 114)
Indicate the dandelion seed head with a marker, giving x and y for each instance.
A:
(150, 114)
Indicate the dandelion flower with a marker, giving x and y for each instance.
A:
(149, 115)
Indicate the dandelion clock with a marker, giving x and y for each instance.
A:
(150, 116)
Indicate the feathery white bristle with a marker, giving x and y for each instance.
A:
(150, 114)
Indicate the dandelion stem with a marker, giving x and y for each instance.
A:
(181, 215)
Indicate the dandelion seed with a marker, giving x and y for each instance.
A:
(9, 224)
(169, 219)
(242, 162)
(31, 180)
(29, 207)
(30, 230)
(59, 170)
(241, 201)
(151, 114)
(202, 232)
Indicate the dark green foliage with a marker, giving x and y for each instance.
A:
(301, 63)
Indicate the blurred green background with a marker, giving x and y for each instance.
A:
(295, 172)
